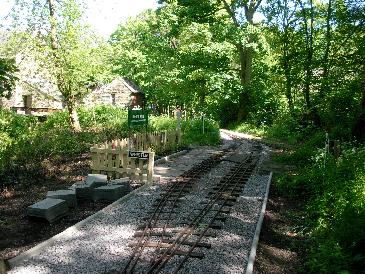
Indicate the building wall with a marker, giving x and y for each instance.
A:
(34, 85)
(116, 93)
(45, 98)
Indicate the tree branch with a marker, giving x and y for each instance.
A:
(231, 13)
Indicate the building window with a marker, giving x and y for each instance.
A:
(113, 99)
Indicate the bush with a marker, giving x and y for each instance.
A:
(24, 142)
(335, 212)
(193, 132)
(102, 116)
(162, 122)
(248, 128)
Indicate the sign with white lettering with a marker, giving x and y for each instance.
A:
(138, 154)
(137, 117)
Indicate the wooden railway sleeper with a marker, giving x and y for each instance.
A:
(180, 252)
(200, 244)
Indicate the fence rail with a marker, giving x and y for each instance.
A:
(112, 158)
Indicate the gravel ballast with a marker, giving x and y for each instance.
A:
(101, 244)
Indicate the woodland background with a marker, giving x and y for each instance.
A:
(297, 77)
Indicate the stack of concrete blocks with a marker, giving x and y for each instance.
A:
(49, 209)
(95, 187)
(116, 189)
(86, 190)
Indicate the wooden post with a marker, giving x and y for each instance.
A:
(151, 164)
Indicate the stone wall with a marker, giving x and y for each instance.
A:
(117, 93)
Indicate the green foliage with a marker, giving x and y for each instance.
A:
(66, 56)
(25, 142)
(162, 123)
(248, 128)
(7, 77)
(297, 75)
(335, 212)
(16, 126)
(193, 132)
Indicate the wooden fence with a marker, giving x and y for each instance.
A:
(116, 163)
(112, 158)
(158, 142)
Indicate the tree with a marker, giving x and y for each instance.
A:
(240, 30)
(73, 55)
(7, 77)
(179, 65)
(282, 22)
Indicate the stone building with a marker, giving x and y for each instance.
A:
(117, 93)
(39, 97)
(35, 93)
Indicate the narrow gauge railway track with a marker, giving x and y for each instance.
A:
(216, 206)
(166, 204)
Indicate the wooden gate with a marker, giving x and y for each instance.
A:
(114, 161)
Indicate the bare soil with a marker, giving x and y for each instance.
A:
(281, 249)
(18, 191)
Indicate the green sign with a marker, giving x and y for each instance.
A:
(137, 117)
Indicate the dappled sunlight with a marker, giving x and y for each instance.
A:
(7, 193)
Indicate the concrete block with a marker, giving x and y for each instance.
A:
(108, 193)
(124, 182)
(83, 191)
(49, 209)
(68, 195)
(96, 180)
(120, 180)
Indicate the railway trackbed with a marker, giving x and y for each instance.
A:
(208, 214)
(202, 221)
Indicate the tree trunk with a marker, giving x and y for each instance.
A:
(245, 55)
(309, 51)
(309, 59)
(245, 78)
(325, 78)
(73, 117)
(287, 65)
(287, 72)
(53, 23)
(358, 130)
(288, 84)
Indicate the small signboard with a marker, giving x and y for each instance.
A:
(137, 117)
(138, 154)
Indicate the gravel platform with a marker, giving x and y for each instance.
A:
(101, 243)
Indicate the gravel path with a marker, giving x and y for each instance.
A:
(100, 245)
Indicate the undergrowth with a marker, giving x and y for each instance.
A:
(332, 189)
(25, 142)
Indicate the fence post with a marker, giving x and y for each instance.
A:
(151, 164)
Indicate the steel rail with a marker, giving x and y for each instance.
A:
(183, 235)
(187, 177)
(139, 249)
(186, 257)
